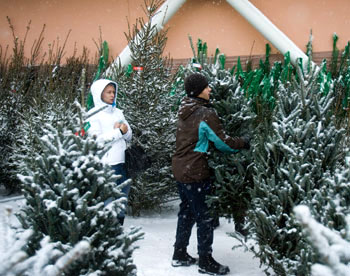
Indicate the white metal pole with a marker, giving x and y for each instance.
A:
(268, 30)
(165, 12)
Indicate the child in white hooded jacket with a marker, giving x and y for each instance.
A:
(109, 125)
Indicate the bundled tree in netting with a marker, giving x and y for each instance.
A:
(144, 96)
(260, 85)
(65, 197)
(340, 75)
(290, 166)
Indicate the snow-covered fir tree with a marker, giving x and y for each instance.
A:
(49, 259)
(330, 234)
(332, 248)
(144, 96)
(232, 171)
(64, 199)
(27, 142)
(333, 199)
(27, 90)
(10, 124)
(290, 168)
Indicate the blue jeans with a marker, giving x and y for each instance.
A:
(193, 209)
(119, 169)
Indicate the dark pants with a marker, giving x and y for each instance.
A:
(119, 169)
(193, 209)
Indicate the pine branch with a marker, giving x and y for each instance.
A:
(334, 251)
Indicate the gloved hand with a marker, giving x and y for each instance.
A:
(246, 140)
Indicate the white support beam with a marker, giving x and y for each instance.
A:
(260, 22)
(165, 12)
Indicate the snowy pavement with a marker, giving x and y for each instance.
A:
(153, 257)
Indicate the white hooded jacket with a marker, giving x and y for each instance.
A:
(102, 124)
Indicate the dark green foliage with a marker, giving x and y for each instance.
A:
(102, 64)
(334, 200)
(261, 85)
(290, 167)
(342, 88)
(31, 86)
(335, 55)
(329, 235)
(63, 179)
(9, 126)
(231, 172)
(65, 197)
(51, 258)
(309, 51)
(144, 97)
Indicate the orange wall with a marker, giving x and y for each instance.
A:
(214, 21)
(222, 26)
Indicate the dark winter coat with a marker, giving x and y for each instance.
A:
(197, 125)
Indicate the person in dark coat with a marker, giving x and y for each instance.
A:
(198, 124)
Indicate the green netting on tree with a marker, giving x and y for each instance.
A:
(101, 67)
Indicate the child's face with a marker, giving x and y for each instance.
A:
(108, 94)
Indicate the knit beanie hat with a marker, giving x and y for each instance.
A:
(195, 84)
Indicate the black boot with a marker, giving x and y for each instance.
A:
(216, 222)
(121, 220)
(208, 265)
(182, 258)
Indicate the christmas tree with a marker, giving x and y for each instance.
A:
(291, 163)
(329, 235)
(65, 196)
(232, 172)
(9, 127)
(49, 259)
(27, 144)
(144, 96)
(333, 249)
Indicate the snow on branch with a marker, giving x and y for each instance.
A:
(334, 251)
(47, 261)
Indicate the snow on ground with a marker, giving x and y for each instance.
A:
(153, 257)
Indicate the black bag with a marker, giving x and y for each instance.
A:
(136, 160)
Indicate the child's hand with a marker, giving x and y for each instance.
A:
(117, 125)
(124, 128)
